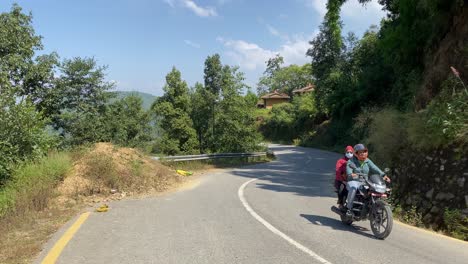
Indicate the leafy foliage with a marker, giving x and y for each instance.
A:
(222, 117)
(235, 129)
(280, 124)
(173, 108)
(80, 101)
(127, 123)
(456, 223)
(326, 51)
(23, 135)
(284, 79)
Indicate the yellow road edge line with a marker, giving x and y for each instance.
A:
(54, 253)
(430, 232)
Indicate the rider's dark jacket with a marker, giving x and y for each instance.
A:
(365, 167)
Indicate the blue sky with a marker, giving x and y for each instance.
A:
(141, 40)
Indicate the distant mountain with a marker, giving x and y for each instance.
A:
(148, 99)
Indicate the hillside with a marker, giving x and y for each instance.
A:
(148, 99)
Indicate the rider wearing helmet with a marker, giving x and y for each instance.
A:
(340, 175)
(359, 164)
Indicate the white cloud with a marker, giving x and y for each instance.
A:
(354, 12)
(191, 5)
(192, 44)
(294, 51)
(250, 56)
(318, 5)
(198, 10)
(356, 17)
(351, 9)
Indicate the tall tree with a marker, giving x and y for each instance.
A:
(201, 113)
(284, 79)
(81, 101)
(235, 129)
(326, 51)
(127, 123)
(22, 134)
(213, 75)
(267, 81)
(173, 107)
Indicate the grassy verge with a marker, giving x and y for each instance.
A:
(29, 188)
(456, 225)
(25, 218)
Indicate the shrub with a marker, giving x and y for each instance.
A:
(456, 223)
(410, 216)
(22, 136)
(280, 123)
(100, 170)
(30, 185)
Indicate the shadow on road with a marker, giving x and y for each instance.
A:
(303, 171)
(336, 224)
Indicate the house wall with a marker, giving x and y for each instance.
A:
(270, 102)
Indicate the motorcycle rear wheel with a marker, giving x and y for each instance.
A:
(381, 220)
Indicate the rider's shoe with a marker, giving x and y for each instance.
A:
(342, 208)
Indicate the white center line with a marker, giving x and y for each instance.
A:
(274, 229)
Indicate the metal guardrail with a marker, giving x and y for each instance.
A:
(210, 156)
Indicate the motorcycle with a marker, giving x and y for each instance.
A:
(369, 203)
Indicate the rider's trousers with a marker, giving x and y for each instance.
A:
(353, 186)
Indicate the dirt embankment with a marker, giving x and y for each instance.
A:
(452, 50)
(98, 175)
(110, 173)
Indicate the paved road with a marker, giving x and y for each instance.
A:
(210, 223)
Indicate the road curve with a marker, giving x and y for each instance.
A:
(212, 224)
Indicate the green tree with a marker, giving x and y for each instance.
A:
(280, 123)
(326, 52)
(235, 129)
(23, 134)
(267, 83)
(173, 108)
(127, 123)
(213, 68)
(213, 85)
(284, 79)
(201, 112)
(305, 111)
(251, 98)
(81, 100)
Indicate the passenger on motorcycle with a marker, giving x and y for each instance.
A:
(340, 175)
(362, 165)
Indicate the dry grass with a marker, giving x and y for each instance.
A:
(32, 215)
(22, 238)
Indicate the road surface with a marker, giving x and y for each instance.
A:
(283, 216)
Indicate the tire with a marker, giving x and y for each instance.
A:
(381, 217)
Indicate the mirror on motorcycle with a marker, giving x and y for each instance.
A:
(386, 170)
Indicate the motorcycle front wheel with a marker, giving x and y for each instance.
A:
(381, 220)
